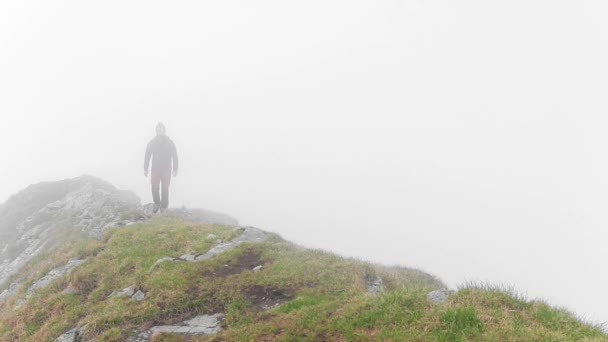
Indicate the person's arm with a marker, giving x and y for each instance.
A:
(175, 159)
(147, 158)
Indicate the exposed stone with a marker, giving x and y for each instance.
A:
(130, 291)
(258, 268)
(249, 234)
(12, 289)
(211, 236)
(30, 220)
(52, 275)
(74, 335)
(215, 251)
(439, 296)
(198, 326)
(375, 284)
(188, 257)
(126, 292)
(139, 296)
(148, 209)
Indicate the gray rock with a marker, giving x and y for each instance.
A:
(375, 285)
(215, 251)
(139, 296)
(258, 268)
(188, 257)
(439, 296)
(52, 275)
(74, 335)
(211, 236)
(126, 292)
(249, 234)
(30, 220)
(12, 289)
(198, 326)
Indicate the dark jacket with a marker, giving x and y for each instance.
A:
(162, 150)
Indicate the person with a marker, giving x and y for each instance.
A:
(163, 153)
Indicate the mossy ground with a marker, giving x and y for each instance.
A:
(320, 296)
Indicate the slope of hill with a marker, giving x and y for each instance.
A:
(39, 218)
(176, 277)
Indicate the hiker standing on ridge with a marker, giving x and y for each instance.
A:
(162, 151)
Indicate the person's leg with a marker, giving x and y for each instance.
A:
(166, 182)
(156, 178)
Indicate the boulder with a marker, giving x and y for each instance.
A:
(439, 296)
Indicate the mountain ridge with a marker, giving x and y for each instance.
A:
(115, 272)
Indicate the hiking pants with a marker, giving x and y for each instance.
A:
(159, 177)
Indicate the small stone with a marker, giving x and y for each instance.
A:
(52, 275)
(139, 296)
(439, 296)
(257, 268)
(211, 236)
(375, 284)
(13, 288)
(203, 257)
(74, 335)
(126, 292)
(188, 257)
(198, 326)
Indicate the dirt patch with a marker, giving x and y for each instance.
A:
(249, 259)
(267, 297)
(173, 317)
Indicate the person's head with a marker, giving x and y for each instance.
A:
(160, 129)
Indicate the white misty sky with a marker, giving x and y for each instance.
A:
(463, 138)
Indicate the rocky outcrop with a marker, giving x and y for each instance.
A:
(131, 292)
(439, 296)
(34, 219)
(74, 335)
(248, 234)
(11, 290)
(198, 326)
(375, 285)
(52, 275)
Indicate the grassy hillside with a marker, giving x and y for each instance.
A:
(298, 295)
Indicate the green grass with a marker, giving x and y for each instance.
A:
(321, 296)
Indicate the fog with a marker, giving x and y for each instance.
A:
(463, 138)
